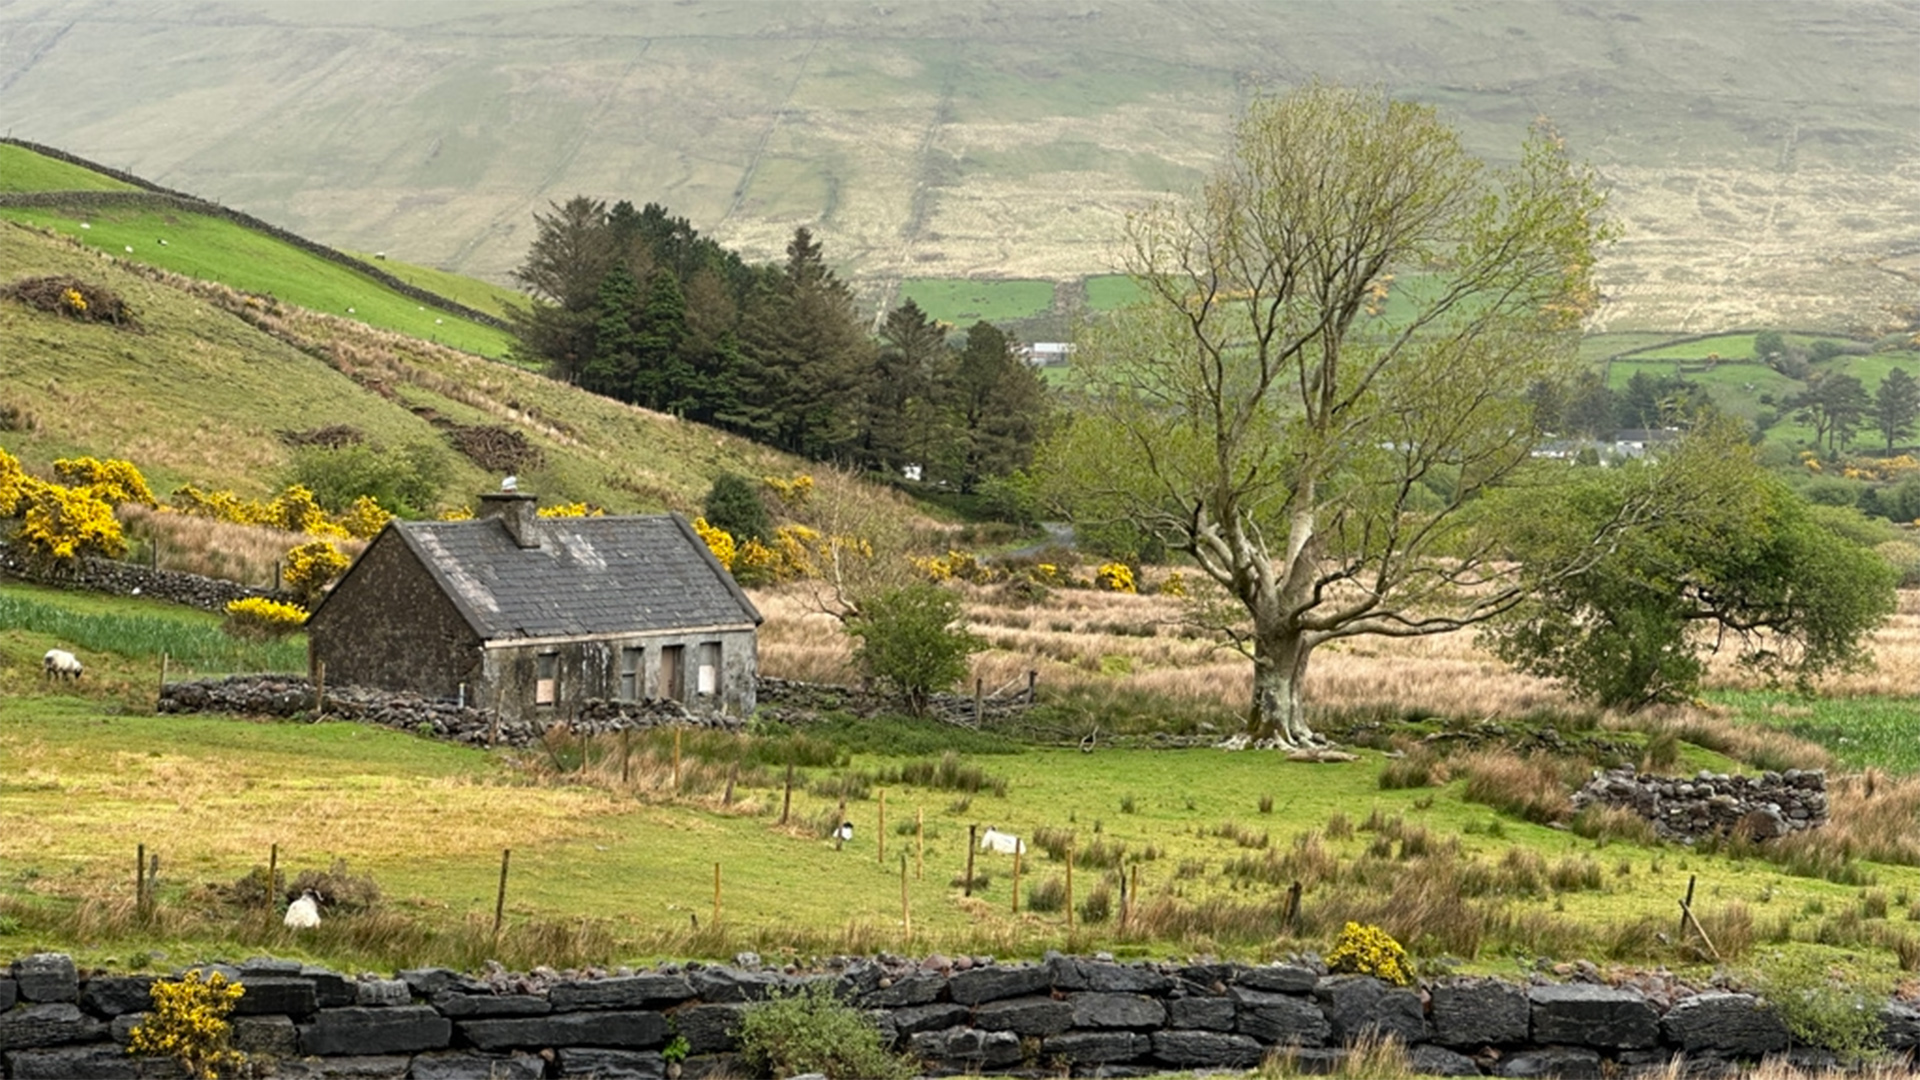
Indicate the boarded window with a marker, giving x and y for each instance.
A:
(630, 682)
(708, 682)
(545, 678)
(673, 672)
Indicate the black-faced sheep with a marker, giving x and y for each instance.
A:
(61, 664)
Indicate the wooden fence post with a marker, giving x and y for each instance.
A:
(1069, 888)
(919, 843)
(140, 880)
(500, 900)
(1016, 878)
(273, 870)
(967, 888)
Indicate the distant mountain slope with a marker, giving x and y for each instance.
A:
(203, 390)
(1763, 155)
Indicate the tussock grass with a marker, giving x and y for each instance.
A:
(1534, 788)
(247, 554)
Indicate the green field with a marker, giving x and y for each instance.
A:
(1111, 291)
(217, 250)
(620, 871)
(23, 170)
(963, 302)
(474, 293)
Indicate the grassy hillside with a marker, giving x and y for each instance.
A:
(23, 170)
(203, 389)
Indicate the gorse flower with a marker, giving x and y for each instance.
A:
(1365, 949)
(189, 1024)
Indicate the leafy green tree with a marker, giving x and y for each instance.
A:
(1266, 414)
(1769, 346)
(734, 504)
(914, 640)
(1590, 407)
(1707, 548)
(1896, 406)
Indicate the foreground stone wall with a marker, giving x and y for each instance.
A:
(1066, 1015)
(132, 579)
(1757, 807)
(293, 695)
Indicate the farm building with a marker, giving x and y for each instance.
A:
(532, 616)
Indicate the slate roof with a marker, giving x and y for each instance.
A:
(589, 576)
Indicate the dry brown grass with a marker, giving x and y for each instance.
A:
(247, 554)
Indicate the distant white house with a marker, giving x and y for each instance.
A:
(1047, 353)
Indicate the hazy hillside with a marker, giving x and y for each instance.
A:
(1764, 156)
(206, 387)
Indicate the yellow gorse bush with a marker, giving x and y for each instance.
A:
(792, 491)
(75, 302)
(565, 510)
(953, 566)
(114, 480)
(188, 1023)
(63, 524)
(1175, 585)
(719, 541)
(1115, 577)
(294, 510)
(258, 617)
(365, 518)
(1365, 949)
(310, 568)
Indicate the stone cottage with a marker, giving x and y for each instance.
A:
(532, 616)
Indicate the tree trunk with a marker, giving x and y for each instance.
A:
(1279, 670)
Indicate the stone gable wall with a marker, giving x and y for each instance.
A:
(1065, 1015)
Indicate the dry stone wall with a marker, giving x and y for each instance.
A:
(1761, 807)
(293, 695)
(1066, 1015)
(131, 579)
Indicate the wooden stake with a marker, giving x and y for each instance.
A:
(786, 802)
(273, 870)
(919, 844)
(1687, 917)
(676, 761)
(880, 830)
(1123, 900)
(1033, 677)
(967, 889)
(1292, 913)
(140, 879)
(839, 817)
(1686, 904)
(500, 901)
(1069, 888)
(716, 896)
(979, 685)
(1133, 893)
(906, 911)
(626, 755)
(1016, 879)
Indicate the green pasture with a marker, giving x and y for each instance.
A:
(1108, 292)
(965, 301)
(23, 170)
(461, 289)
(91, 773)
(214, 249)
(1861, 733)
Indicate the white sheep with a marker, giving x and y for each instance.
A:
(1004, 843)
(61, 664)
(304, 913)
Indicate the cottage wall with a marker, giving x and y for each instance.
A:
(395, 629)
(595, 668)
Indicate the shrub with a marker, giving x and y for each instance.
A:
(1369, 950)
(60, 524)
(811, 1031)
(1115, 577)
(718, 541)
(1821, 1005)
(909, 641)
(112, 480)
(188, 1023)
(733, 503)
(407, 480)
(257, 618)
(310, 568)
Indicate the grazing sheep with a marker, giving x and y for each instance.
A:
(304, 913)
(1004, 843)
(61, 664)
